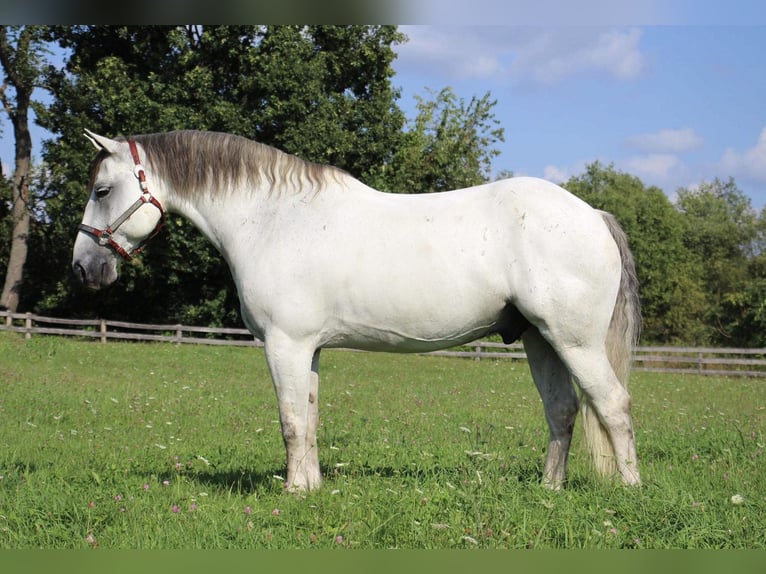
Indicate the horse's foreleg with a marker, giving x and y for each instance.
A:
(312, 450)
(554, 384)
(294, 371)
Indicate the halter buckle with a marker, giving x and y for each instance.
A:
(104, 238)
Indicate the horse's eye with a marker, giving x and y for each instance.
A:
(103, 191)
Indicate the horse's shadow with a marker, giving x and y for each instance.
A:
(244, 481)
(238, 481)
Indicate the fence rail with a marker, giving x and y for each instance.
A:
(696, 360)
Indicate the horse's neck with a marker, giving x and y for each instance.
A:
(215, 215)
(235, 217)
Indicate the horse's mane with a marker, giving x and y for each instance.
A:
(213, 162)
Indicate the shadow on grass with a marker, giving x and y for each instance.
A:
(246, 481)
(237, 481)
(454, 474)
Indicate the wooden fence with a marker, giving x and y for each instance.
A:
(696, 360)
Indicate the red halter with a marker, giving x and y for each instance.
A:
(104, 236)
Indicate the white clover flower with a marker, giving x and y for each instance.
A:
(737, 499)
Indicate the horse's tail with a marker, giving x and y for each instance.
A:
(621, 340)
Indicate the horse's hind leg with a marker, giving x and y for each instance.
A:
(604, 394)
(554, 384)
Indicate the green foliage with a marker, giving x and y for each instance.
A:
(355, 123)
(448, 145)
(182, 450)
(721, 231)
(700, 262)
(23, 53)
(672, 295)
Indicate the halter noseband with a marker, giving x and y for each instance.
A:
(104, 236)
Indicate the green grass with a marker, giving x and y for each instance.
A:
(162, 446)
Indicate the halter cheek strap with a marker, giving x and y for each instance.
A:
(105, 236)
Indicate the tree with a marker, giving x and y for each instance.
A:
(325, 94)
(721, 230)
(670, 278)
(6, 225)
(751, 312)
(448, 145)
(21, 58)
(321, 92)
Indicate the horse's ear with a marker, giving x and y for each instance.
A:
(102, 143)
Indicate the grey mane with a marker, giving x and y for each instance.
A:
(195, 162)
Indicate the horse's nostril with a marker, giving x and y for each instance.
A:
(79, 271)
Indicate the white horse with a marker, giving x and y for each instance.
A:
(321, 260)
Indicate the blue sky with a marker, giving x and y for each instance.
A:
(673, 104)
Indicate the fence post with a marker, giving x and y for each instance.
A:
(102, 330)
(477, 350)
(179, 334)
(28, 326)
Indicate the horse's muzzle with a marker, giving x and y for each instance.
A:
(95, 273)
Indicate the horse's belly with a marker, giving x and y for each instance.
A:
(371, 338)
(422, 325)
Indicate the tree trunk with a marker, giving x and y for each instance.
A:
(19, 115)
(21, 218)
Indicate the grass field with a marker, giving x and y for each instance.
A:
(176, 447)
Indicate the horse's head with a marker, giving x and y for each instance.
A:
(120, 216)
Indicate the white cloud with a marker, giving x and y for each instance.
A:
(667, 141)
(548, 12)
(561, 174)
(557, 54)
(459, 52)
(749, 164)
(658, 168)
(524, 55)
(556, 174)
